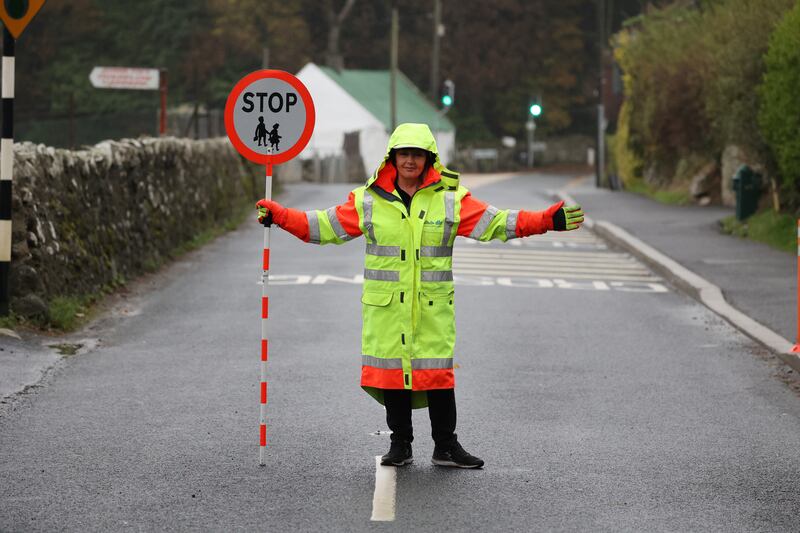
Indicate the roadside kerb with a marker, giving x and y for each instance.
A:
(695, 286)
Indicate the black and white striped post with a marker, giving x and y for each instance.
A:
(6, 168)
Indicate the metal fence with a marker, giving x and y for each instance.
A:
(74, 131)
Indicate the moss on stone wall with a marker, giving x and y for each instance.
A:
(87, 220)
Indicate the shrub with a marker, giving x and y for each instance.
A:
(663, 61)
(736, 38)
(690, 77)
(779, 117)
(624, 161)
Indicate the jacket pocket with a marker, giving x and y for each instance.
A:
(436, 327)
(381, 299)
(381, 334)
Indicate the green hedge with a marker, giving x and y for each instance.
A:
(779, 116)
(691, 77)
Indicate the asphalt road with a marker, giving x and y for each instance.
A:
(599, 398)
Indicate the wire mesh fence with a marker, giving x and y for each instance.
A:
(74, 131)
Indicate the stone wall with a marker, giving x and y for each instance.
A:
(84, 220)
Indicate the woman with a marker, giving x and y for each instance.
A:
(410, 212)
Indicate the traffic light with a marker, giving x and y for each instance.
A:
(535, 109)
(448, 94)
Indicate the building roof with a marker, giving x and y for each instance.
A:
(371, 89)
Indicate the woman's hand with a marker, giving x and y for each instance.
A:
(268, 211)
(568, 218)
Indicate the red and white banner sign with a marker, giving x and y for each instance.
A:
(124, 78)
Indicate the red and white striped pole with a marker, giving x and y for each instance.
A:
(262, 428)
(796, 348)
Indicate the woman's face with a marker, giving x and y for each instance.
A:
(410, 162)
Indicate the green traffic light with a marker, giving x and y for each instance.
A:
(447, 100)
(536, 110)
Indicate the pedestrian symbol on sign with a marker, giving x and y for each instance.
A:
(261, 132)
(274, 138)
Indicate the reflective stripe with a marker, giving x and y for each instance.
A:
(436, 275)
(336, 225)
(432, 362)
(511, 224)
(379, 362)
(383, 275)
(436, 251)
(387, 251)
(483, 223)
(449, 216)
(313, 227)
(368, 216)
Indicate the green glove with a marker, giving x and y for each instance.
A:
(262, 213)
(568, 218)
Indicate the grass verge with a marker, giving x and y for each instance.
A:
(8, 322)
(774, 229)
(664, 196)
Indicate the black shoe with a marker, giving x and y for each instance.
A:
(455, 456)
(399, 455)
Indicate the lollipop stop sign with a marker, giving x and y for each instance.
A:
(269, 117)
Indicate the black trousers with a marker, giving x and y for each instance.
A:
(441, 409)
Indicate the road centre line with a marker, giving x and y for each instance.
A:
(384, 496)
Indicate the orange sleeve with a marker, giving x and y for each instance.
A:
(348, 216)
(471, 212)
(528, 222)
(296, 222)
(535, 222)
(293, 221)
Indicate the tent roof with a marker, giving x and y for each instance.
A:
(371, 89)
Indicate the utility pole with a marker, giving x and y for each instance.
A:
(438, 31)
(600, 159)
(393, 67)
(530, 126)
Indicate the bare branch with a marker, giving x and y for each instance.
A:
(346, 10)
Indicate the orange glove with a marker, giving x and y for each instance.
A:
(270, 211)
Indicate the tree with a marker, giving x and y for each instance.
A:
(333, 57)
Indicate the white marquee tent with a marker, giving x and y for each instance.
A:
(349, 101)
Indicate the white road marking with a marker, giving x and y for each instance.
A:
(536, 253)
(383, 499)
(560, 263)
(523, 281)
(561, 274)
(578, 257)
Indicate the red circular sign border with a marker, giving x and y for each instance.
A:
(308, 129)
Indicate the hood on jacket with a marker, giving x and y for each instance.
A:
(410, 135)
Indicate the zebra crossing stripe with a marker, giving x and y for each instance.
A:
(556, 274)
(611, 266)
(554, 263)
